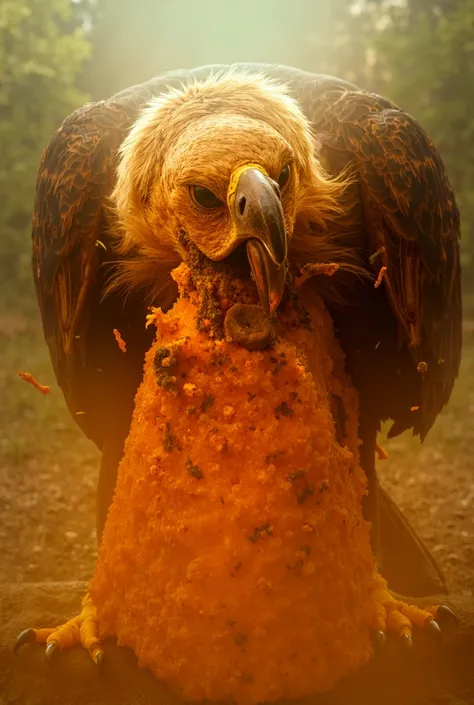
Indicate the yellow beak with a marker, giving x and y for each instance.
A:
(257, 214)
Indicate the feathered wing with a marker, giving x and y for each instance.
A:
(76, 175)
(73, 259)
(411, 224)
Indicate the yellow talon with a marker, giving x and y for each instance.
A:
(81, 629)
(394, 615)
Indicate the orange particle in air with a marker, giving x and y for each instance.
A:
(380, 276)
(381, 452)
(121, 342)
(28, 377)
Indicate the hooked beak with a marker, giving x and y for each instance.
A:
(257, 213)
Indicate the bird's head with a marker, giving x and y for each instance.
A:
(229, 162)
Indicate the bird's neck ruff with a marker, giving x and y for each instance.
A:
(208, 132)
(319, 236)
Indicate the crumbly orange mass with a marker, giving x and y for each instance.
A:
(235, 561)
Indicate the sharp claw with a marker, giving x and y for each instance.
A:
(100, 662)
(27, 636)
(434, 628)
(445, 614)
(407, 642)
(51, 650)
(379, 639)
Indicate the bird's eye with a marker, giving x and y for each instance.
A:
(205, 198)
(284, 176)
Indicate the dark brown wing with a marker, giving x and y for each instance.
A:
(75, 177)
(410, 218)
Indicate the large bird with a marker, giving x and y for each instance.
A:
(248, 169)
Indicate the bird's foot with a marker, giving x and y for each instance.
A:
(395, 616)
(81, 629)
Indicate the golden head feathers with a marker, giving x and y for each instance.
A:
(200, 134)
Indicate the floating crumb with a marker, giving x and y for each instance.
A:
(374, 255)
(380, 276)
(121, 342)
(414, 408)
(314, 268)
(43, 388)
(422, 367)
(80, 413)
(381, 452)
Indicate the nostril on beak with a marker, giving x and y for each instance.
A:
(276, 189)
(241, 204)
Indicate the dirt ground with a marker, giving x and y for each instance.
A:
(48, 473)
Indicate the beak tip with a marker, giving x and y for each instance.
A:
(269, 278)
(259, 218)
(274, 302)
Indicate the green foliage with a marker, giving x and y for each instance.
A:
(40, 57)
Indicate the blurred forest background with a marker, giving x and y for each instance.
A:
(57, 54)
